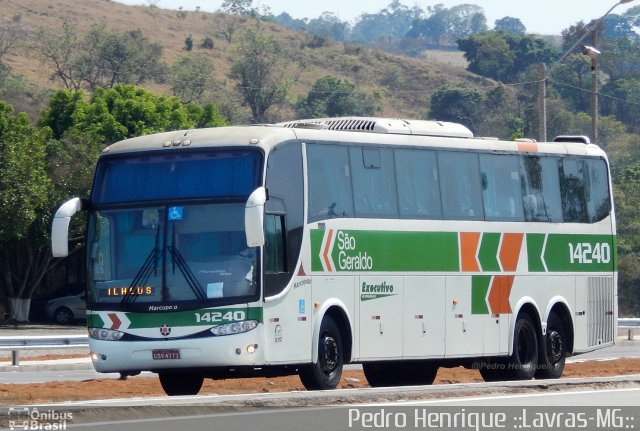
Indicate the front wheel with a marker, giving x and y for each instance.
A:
(325, 373)
(555, 353)
(180, 383)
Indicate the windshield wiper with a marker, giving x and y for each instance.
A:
(187, 273)
(183, 266)
(149, 266)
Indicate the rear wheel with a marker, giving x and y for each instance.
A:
(493, 370)
(180, 383)
(381, 374)
(555, 350)
(523, 361)
(326, 372)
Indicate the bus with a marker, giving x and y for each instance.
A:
(299, 247)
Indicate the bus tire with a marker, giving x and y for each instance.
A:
(326, 372)
(555, 350)
(378, 374)
(493, 370)
(404, 373)
(180, 383)
(523, 362)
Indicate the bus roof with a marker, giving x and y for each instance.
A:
(357, 130)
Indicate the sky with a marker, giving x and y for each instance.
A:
(538, 16)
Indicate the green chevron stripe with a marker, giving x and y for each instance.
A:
(479, 287)
(488, 254)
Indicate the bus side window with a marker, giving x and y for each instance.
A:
(541, 188)
(597, 195)
(460, 187)
(329, 185)
(373, 178)
(574, 205)
(275, 259)
(501, 187)
(418, 188)
(284, 216)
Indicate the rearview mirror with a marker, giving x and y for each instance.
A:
(60, 227)
(254, 217)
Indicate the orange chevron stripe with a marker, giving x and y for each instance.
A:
(510, 251)
(468, 247)
(325, 253)
(499, 293)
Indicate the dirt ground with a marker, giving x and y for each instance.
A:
(21, 394)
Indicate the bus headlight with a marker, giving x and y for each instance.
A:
(234, 328)
(105, 334)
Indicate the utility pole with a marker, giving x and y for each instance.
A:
(542, 96)
(594, 90)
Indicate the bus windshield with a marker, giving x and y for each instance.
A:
(186, 248)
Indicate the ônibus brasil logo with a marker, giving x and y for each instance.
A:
(349, 258)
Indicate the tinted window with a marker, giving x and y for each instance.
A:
(274, 250)
(501, 188)
(418, 186)
(598, 200)
(284, 218)
(173, 175)
(574, 204)
(374, 185)
(330, 182)
(541, 189)
(460, 186)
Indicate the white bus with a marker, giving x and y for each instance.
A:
(401, 245)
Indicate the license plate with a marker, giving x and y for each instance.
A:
(161, 354)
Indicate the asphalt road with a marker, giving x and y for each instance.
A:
(594, 409)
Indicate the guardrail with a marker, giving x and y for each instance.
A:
(17, 343)
(629, 325)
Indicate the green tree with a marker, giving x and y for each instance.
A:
(392, 22)
(571, 79)
(332, 97)
(238, 7)
(24, 191)
(489, 55)
(101, 58)
(625, 101)
(261, 71)
(125, 111)
(447, 25)
(328, 25)
(457, 103)
(191, 76)
(504, 56)
(59, 116)
(188, 43)
(121, 112)
(510, 25)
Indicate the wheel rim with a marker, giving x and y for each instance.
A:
(330, 355)
(555, 347)
(63, 316)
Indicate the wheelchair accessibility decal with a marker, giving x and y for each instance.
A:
(175, 213)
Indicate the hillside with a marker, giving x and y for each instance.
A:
(406, 96)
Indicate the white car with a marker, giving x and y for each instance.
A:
(67, 309)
